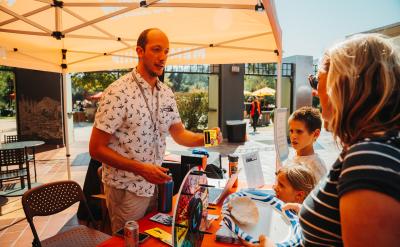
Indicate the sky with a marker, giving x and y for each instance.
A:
(311, 26)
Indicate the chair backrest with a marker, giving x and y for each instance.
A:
(10, 138)
(10, 157)
(51, 198)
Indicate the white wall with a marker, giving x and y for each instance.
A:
(301, 89)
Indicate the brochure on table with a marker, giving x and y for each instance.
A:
(253, 170)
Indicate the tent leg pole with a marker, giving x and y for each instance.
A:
(279, 85)
(65, 124)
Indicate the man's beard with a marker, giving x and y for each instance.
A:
(150, 72)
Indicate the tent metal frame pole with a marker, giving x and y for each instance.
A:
(25, 15)
(205, 5)
(65, 122)
(220, 44)
(96, 27)
(105, 17)
(45, 1)
(36, 58)
(167, 5)
(24, 19)
(58, 19)
(100, 55)
(4, 30)
(65, 113)
(78, 36)
(245, 48)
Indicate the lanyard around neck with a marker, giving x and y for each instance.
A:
(151, 114)
(147, 103)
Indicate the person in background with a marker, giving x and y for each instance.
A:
(135, 115)
(358, 203)
(255, 112)
(304, 129)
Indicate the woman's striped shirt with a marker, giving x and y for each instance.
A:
(372, 164)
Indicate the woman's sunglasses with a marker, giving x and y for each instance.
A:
(313, 81)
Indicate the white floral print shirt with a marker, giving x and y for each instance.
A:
(123, 113)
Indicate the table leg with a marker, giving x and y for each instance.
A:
(3, 200)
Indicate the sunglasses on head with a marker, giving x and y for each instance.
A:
(313, 80)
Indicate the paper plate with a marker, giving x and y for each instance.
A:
(281, 227)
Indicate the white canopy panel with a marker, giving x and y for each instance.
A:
(101, 34)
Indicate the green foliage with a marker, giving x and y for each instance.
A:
(91, 82)
(255, 82)
(193, 109)
(181, 82)
(6, 88)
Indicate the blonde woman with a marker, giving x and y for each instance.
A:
(359, 202)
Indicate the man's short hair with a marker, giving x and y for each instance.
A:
(311, 117)
(142, 40)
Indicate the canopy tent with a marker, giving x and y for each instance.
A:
(100, 35)
(91, 35)
(265, 91)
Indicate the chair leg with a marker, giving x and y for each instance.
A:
(22, 178)
(28, 174)
(34, 163)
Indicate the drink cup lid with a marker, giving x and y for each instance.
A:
(233, 157)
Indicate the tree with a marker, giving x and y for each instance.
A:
(193, 109)
(6, 87)
(255, 82)
(185, 82)
(91, 82)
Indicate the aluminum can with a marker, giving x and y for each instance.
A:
(233, 166)
(165, 194)
(131, 234)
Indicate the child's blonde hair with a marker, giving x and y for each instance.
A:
(300, 177)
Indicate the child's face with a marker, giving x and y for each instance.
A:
(302, 140)
(284, 190)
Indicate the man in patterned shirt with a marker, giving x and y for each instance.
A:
(133, 119)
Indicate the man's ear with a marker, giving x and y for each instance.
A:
(300, 196)
(139, 51)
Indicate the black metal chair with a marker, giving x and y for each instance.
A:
(10, 138)
(52, 198)
(12, 166)
(31, 157)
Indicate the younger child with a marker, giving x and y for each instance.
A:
(304, 129)
(293, 183)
